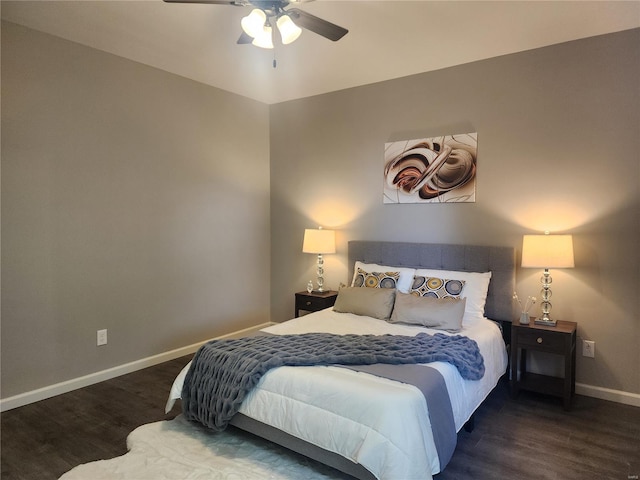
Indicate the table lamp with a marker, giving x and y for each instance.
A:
(547, 251)
(319, 241)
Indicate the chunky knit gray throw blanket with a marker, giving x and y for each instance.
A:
(223, 372)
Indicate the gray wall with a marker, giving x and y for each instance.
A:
(132, 200)
(558, 142)
(138, 201)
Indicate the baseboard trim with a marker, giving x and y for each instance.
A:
(33, 396)
(9, 403)
(618, 396)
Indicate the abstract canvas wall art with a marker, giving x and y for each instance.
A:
(431, 170)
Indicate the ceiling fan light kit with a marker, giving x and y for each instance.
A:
(257, 27)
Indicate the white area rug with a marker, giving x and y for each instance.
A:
(177, 449)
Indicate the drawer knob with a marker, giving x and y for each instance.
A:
(308, 303)
(539, 340)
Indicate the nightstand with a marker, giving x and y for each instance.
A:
(559, 340)
(314, 301)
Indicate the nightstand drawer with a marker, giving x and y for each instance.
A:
(311, 303)
(540, 338)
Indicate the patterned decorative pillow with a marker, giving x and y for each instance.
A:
(476, 287)
(436, 287)
(376, 279)
(402, 285)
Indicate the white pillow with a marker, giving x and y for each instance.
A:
(475, 288)
(404, 282)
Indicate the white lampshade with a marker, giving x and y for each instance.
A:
(319, 241)
(547, 251)
(253, 23)
(289, 31)
(264, 39)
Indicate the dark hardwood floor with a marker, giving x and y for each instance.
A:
(531, 437)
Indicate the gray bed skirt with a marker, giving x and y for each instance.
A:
(301, 446)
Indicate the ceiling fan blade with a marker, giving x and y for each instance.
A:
(238, 3)
(244, 39)
(316, 24)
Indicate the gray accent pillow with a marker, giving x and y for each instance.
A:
(440, 313)
(372, 302)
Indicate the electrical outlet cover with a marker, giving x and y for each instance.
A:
(589, 348)
(102, 337)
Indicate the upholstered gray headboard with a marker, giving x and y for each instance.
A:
(500, 261)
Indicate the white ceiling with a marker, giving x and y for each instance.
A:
(386, 39)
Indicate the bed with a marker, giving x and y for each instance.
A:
(371, 426)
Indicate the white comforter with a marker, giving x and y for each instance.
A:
(379, 423)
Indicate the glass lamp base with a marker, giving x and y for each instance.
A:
(545, 293)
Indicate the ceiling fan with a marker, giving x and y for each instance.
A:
(257, 27)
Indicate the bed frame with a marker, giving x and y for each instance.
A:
(499, 260)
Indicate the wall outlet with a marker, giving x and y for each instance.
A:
(588, 348)
(102, 337)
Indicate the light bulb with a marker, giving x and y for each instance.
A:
(264, 38)
(289, 31)
(253, 24)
